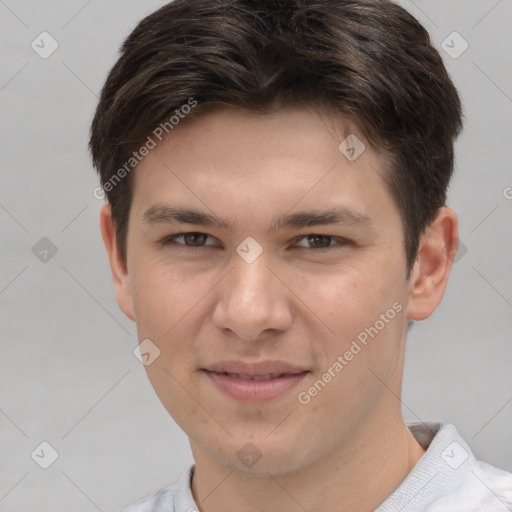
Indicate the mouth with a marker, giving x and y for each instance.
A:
(254, 382)
(255, 377)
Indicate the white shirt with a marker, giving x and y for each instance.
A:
(447, 478)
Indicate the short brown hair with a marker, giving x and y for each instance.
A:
(369, 60)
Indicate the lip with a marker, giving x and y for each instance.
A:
(252, 382)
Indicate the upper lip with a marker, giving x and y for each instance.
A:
(255, 369)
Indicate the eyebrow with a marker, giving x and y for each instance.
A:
(164, 214)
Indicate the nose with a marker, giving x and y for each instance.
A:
(253, 302)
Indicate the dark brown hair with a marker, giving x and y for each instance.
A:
(369, 60)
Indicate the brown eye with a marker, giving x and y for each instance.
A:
(314, 241)
(191, 239)
(319, 241)
(194, 239)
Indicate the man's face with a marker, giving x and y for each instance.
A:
(306, 256)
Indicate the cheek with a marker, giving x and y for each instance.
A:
(172, 385)
(170, 307)
(365, 315)
(165, 307)
(161, 297)
(346, 301)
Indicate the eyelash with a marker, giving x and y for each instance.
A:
(170, 240)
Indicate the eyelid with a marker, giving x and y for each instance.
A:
(170, 239)
(338, 241)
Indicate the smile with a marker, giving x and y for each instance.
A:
(252, 388)
(254, 377)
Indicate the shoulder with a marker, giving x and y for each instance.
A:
(483, 488)
(160, 500)
(475, 485)
(173, 498)
(448, 478)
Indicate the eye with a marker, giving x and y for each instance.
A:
(191, 239)
(314, 241)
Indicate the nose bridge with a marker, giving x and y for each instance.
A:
(251, 283)
(251, 300)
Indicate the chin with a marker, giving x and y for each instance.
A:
(264, 459)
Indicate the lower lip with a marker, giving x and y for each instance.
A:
(254, 390)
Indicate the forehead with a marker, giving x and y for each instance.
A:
(230, 161)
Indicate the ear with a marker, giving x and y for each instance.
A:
(118, 266)
(436, 253)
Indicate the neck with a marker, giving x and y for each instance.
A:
(357, 477)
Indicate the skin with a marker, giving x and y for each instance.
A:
(294, 303)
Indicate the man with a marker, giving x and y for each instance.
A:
(276, 177)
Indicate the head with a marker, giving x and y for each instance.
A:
(310, 148)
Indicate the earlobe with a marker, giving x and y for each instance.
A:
(436, 253)
(118, 266)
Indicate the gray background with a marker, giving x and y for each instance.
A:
(68, 374)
